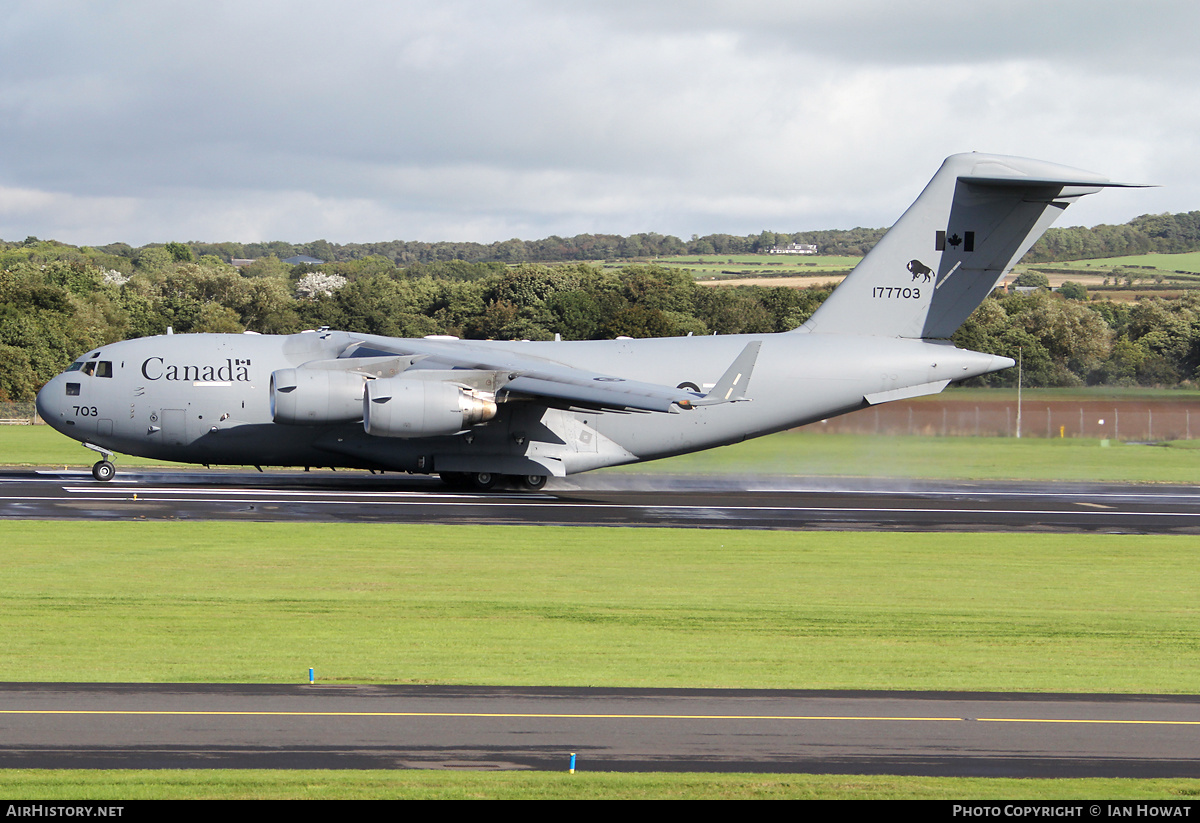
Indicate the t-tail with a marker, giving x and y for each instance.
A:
(977, 217)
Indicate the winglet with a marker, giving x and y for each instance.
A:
(733, 384)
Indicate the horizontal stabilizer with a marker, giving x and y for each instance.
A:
(906, 393)
(1059, 181)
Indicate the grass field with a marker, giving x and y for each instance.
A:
(733, 266)
(804, 270)
(43, 446)
(941, 458)
(801, 271)
(368, 603)
(812, 454)
(1186, 262)
(254, 784)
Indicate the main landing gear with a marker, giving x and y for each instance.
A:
(486, 481)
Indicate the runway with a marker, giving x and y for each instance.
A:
(607, 499)
(397, 727)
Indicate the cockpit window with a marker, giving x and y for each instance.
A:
(94, 368)
(76, 366)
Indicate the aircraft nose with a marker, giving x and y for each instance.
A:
(49, 402)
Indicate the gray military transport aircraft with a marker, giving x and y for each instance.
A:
(478, 413)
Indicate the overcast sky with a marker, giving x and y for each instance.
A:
(483, 120)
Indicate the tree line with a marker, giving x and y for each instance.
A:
(1150, 233)
(52, 312)
(1162, 233)
(582, 247)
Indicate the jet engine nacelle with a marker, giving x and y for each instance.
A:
(407, 407)
(310, 397)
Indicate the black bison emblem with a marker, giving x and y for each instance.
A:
(920, 270)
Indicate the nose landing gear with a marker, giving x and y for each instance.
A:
(104, 470)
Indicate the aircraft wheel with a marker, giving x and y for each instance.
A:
(532, 482)
(104, 471)
(484, 481)
(455, 480)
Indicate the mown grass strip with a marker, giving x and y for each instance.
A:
(811, 454)
(1184, 261)
(366, 603)
(43, 446)
(941, 458)
(259, 784)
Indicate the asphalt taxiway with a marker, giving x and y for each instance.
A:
(611, 499)
(958, 734)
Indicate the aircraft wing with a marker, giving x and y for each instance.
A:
(537, 377)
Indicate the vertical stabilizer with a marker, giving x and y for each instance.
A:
(977, 217)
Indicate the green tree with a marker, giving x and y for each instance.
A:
(268, 266)
(218, 319)
(1034, 279)
(1073, 291)
(18, 380)
(180, 252)
(153, 259)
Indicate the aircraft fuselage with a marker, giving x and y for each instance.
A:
(206, 398)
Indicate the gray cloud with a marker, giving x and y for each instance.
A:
(141, 121)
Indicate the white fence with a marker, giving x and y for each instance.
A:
(18, 414)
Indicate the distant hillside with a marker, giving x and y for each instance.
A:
(1161, 233)
(554, 249)
(580, 248)
(1150, 233)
